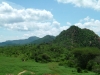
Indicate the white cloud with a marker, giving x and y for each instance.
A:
(37, 22)
(90, 24)
(68, 23)
(94, 4)
(12, 18)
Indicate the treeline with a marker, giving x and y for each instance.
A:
(39, 53)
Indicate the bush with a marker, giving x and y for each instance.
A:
(67, 63)
(96, 69)
(63, 63)
(90, 65)
(43, 58)
(79, 70)
(85, 71)
(24, 58)
(71, 63)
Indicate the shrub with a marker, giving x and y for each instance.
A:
(85, 71)
(43, 58)
(63, 63)
(79, 70)
(96, 69)
(71, 63)
(90, 65)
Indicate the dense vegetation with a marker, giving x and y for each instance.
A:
(77, 37)
(75, 47)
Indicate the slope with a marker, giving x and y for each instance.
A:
(77, 37)
(19, 42)
(45, 39)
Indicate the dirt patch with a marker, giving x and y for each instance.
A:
(9, 74)
(51, 74)
(20, 73)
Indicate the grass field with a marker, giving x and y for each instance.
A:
(14, 66)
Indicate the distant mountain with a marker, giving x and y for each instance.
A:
(25, 41)
(45, 39)
(7, 43)
(77, 37)
(30, 40)
(72, 37)
(19, 42)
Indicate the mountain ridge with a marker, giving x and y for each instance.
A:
(72, 37)
(30, 40)
(45, 39)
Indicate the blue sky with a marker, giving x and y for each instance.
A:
(21, 19)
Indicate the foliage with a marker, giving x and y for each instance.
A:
(43, 58)
(77, 37)
(45, 39)
(96, 69)
(84, 55)
(79, 70)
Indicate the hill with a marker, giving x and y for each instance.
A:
(30, 40)
(19, 42)
(45, 39)
(25, 41)
(77, 37)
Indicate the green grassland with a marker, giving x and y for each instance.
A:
(14, 66)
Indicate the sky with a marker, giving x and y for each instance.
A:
(20, 19)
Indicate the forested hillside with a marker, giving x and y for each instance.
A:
(45, 39)
(77, 37)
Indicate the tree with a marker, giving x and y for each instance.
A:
(84, 55)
